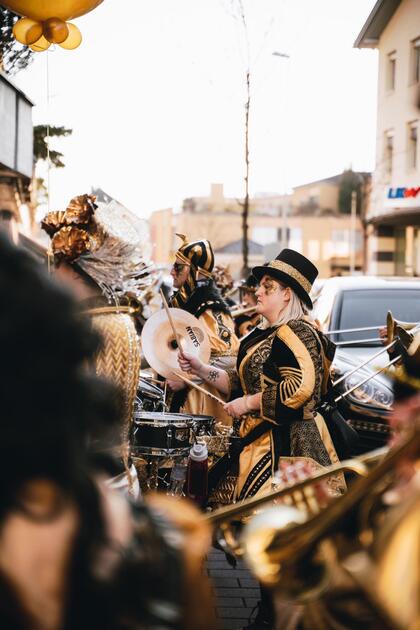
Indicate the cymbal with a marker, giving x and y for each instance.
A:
(159, 344)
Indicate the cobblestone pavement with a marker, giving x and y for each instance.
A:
(236, 591)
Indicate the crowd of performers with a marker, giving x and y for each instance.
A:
(81, 547)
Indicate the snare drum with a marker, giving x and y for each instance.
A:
(167, 434)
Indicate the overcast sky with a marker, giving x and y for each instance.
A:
(155, 97)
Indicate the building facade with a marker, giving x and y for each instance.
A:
(393, 27)
(322, 233)
(16, 155)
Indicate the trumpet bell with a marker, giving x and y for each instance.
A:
(266, 549)
(393, 324)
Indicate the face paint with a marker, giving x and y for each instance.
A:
(270, 286)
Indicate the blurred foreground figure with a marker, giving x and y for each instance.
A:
(74, 554)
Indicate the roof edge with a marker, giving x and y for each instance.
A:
(375, 24)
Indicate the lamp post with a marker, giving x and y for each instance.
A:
(284, 208)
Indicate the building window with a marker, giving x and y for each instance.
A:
(388, 153)
(391, 71)
(415, 61)
(412, 145)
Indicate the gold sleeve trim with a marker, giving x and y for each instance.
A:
(296, 391)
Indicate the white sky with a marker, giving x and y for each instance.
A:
(155, 97)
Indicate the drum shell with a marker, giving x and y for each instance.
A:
(167, 434)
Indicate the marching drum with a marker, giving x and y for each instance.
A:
(167, 434)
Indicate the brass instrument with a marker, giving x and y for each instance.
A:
(237, 311)
(396, 332)
(392, 323)
(391, 326)
(286, 547)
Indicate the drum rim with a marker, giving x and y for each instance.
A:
(160, 452)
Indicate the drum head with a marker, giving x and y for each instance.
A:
(161, 418)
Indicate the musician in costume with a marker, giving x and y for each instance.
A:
(246, 322)
(197, 293)
(281, 373)
(100, 251)
(74, 553)
(224, 282)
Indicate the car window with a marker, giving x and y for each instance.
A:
(369, 307)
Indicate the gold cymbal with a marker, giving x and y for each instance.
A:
(159, 344)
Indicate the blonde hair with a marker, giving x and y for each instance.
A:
(295, 309)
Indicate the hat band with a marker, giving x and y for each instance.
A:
(292, 272)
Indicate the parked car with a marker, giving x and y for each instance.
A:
(360, 302)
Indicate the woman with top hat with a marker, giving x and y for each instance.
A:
(281, 373)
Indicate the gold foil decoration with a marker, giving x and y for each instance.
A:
(70, 243)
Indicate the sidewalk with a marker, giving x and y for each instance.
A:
(237, 592)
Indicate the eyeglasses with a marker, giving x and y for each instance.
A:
(177, 267)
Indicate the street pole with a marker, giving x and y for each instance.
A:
(284, 208)
(353, 232)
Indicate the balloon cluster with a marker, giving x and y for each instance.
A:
(45, 22)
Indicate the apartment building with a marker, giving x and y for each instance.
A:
(393, 28)
(16, 156)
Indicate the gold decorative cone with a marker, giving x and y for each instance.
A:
(119, 358)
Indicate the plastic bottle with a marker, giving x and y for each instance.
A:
(197, 474)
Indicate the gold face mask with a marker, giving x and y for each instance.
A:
(270, 286)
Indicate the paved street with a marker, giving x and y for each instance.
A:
(237, 592)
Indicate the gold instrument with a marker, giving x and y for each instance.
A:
(159, 342)
(287, 547)
(398, 333)
(237, 311)
(392, 323)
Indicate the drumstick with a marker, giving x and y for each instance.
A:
(200, 389)
(171, 321)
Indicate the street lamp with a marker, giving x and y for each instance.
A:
(283, 55)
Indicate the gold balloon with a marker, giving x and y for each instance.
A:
(40, 45)
(21, 28)
(74, 38)
(41, 10)
(34, 33)
(55, 30)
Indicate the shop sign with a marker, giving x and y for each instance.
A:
(403, 197)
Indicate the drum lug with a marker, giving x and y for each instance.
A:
(169, 436)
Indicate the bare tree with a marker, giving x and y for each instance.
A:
(237, 11)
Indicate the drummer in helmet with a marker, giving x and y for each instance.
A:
(196, 292)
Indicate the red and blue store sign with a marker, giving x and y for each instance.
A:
(404, 193)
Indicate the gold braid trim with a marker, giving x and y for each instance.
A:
(292, 272)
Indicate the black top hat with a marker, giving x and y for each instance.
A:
(293, 270)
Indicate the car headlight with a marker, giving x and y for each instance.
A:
(371, 393)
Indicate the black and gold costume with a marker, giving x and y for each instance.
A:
(201, 298)
(289, 366)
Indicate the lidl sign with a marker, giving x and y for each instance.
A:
(403, 197)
